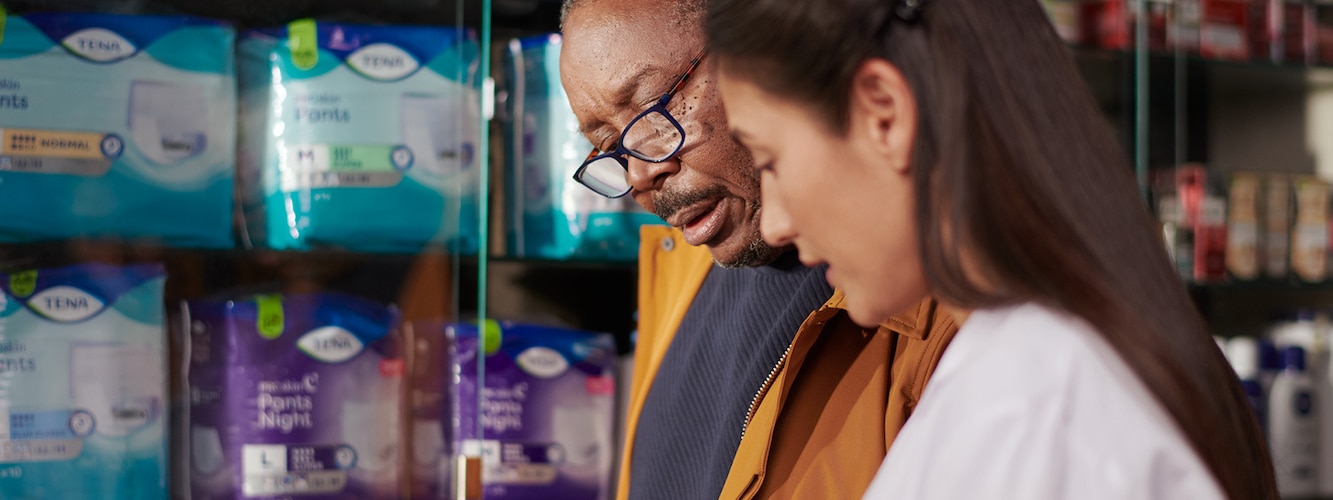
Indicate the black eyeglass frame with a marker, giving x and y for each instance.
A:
(621, 151)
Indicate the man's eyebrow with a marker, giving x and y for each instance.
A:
(622, 96)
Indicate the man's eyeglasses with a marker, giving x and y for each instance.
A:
(653, 136)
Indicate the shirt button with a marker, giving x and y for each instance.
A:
(668, 244)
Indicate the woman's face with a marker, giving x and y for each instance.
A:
(842, 200)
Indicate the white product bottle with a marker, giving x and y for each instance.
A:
(1294, 427)
(1243, 353)
(1321, 366)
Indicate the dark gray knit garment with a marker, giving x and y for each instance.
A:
(739, 325)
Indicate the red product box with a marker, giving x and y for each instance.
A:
(1110, 24)
(1321, 33)
(1265, 29)
(1224, 29)
(1297, 23)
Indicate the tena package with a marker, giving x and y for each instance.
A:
(294, 396)
(82, 385)
(118, 126)
(546, 410)
(360, 137)
(551, 215)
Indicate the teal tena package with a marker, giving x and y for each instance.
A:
(117, 126)
(359, 137)
(82, 384)
(550, 215)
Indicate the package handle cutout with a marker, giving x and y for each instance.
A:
(304, 43)
(270, 319)
(492, 336)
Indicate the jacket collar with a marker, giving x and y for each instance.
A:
(914, 322)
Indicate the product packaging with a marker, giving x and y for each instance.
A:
(294, 396)
(83, 359)
(1242, 250)
(1294, 427)
(1224, 30)
(117, 126)
(1183, 27)
(1277, 226)
(1110, 24)
(552, 216)
(1321, 32)
(546, 411)
(1064, 15)
(1309, 236)
(359, 137)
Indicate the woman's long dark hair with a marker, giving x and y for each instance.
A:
(1013, 163)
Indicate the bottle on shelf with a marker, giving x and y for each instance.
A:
(1293, 425)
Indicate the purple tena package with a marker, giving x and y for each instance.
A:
(294, 397)
(546, 412)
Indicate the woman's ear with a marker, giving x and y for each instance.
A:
(883, 110)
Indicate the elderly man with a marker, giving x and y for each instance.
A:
(750, 381)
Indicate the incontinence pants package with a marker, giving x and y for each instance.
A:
(294, 396)
(118, 126)
(82, 384)
(550, 215)
(360, 137)
(546, 411)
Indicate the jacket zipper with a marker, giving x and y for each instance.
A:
(763, 389)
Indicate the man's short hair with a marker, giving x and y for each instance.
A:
(686, 10)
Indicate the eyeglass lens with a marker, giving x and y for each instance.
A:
(654, 137)
(606, 176)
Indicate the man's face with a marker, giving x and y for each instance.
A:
(618, 58)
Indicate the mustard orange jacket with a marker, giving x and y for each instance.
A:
(821, 427)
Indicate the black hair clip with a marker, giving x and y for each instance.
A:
(909, 10)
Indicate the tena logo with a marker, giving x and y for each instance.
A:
(65, 304)
(100, 45)
(381, 61)
(542, 362)
(330, 344)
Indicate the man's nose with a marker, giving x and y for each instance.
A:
(645, 176)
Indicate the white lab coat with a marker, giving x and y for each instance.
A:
(1031, 403)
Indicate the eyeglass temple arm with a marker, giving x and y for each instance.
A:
(680, 83)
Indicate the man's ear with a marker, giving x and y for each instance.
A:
(883, 109)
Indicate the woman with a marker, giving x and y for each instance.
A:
(949, 148)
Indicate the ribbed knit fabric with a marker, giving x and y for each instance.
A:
(739, 325)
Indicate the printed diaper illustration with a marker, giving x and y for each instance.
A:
(294, 397)
(546, 411)
(366, 141)
(550, 215)
(119, 126)
(169, 122)
(82, 406)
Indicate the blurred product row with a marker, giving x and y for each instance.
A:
(1287, 374)
(325, 396)
(180, 131)
(1246, 226)
(1296, 32)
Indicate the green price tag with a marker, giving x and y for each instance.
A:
(304, 43)
(23, 283)
(271, 319)
(492, 337)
